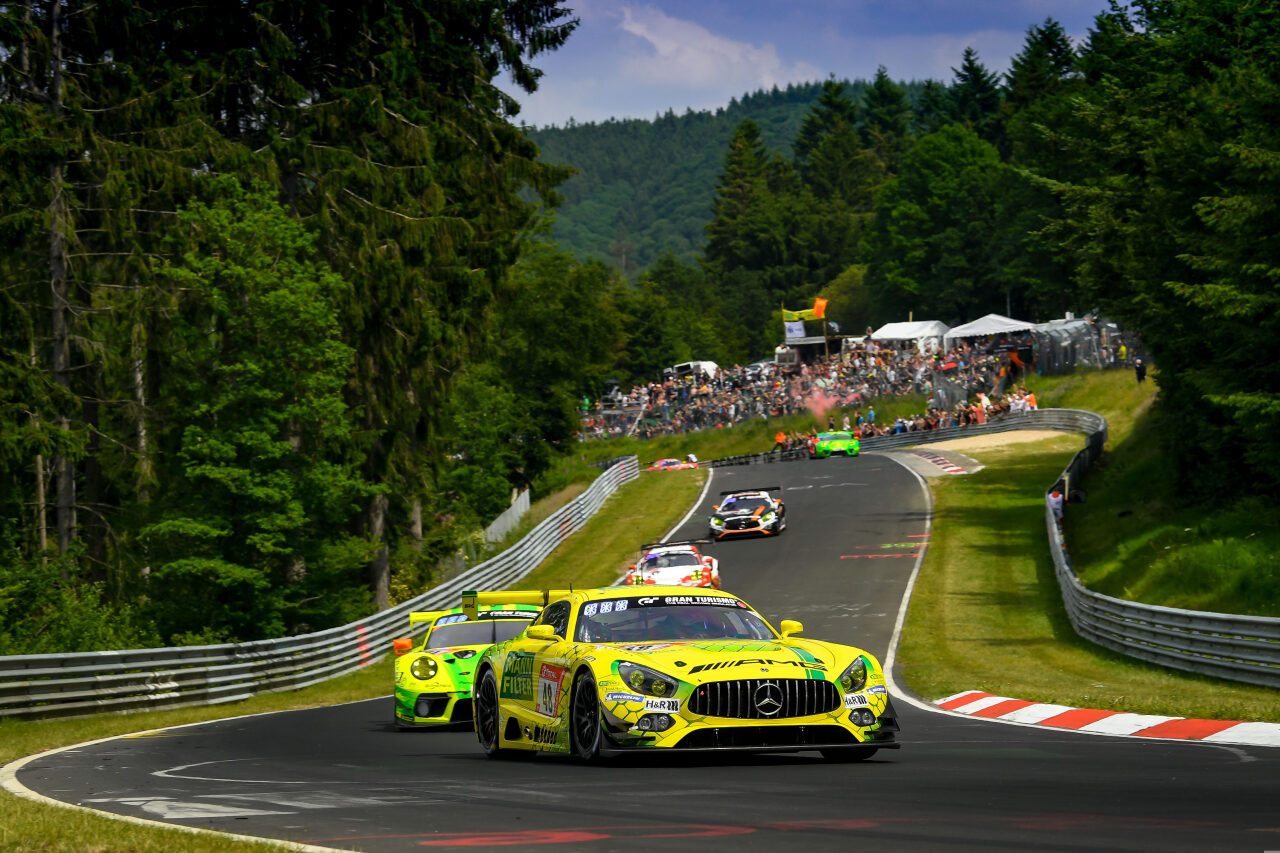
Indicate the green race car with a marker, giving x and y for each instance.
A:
(825, 444)
(433, 681)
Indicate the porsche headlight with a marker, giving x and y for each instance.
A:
(717, 522)
(855, 677)
(767, 517)
(424, 668)
(644, 680)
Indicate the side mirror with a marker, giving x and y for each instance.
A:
(791, 627)
(541, 632)
(715, 506)
(401, 645)
(707, 561)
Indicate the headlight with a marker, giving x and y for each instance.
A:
(855, 677)
(424, 668)
(767, 517)
(644, 680)
(717, 522)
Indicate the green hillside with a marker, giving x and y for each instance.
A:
(643, 188)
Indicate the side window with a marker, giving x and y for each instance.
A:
(557, 616)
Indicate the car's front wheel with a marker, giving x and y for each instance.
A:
(584, 718)
(487, 716)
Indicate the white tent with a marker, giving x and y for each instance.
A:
(992, 324)
(920, 331)
(910, 331)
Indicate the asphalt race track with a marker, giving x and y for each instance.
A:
(342, 777)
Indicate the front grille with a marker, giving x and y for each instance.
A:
(742, 522)
(765, 737)
(764, 698)
(430, 705)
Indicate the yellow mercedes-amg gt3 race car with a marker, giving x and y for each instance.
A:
(665, 667)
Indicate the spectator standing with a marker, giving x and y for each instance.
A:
(1055, 506)
(845, 425)
(1139, 370)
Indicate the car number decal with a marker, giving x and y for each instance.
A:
(550, 678)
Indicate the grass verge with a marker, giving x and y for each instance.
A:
(986, 613)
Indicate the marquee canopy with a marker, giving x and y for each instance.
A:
(913, 331)
(992, 324)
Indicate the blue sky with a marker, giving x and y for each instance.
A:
(636, 59)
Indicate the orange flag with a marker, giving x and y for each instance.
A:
(819, 308)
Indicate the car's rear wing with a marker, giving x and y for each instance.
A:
(426, 615)
(753, 489)
(504, 610)
(473, 600)
(648, 545)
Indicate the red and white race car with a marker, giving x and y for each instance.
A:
(674, 564)
(689, 461)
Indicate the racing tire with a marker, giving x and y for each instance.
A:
(487, 717)
(585, 732)
(848, 756)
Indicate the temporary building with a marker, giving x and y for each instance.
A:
(992, 324)
(920, 331)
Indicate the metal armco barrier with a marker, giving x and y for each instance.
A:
(147, 679)
(1237, 648)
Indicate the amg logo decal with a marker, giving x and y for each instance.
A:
(705, 667)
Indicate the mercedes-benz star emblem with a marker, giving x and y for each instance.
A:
(768, 698)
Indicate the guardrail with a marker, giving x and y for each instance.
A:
(1237, 648)
(93, 682)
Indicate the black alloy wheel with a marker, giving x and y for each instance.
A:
(488, 728)
(584, 718)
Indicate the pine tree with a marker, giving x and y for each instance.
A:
(975, 95)
(885, 119)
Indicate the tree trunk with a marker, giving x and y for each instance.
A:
(64, 472)
(415, 524)
(380, 568)
(42, 521)
(145, 473)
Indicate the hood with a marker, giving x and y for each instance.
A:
(729, 512)
(671, 575)
(700, 661)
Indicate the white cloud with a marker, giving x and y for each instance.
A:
(685, 54)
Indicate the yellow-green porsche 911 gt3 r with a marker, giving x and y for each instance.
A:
(665, 667)
(433, 682)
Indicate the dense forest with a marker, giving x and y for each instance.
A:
(282, 325)
(643, 189)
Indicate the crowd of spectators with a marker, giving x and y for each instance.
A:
(970, 383)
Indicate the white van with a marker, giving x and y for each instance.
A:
(703, 368)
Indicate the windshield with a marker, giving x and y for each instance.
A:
(478, 633)
(666, 561)
(744, 505)
(835, 436)
(669, 617)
